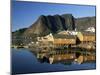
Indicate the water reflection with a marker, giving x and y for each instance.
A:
(64, 56)
(26, 61)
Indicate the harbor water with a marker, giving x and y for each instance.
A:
(24, 61)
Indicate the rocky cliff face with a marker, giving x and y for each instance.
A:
(51, 24)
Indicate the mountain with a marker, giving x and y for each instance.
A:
(51, 24)
(19, 32)
(85, 22)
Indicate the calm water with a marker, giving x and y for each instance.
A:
(23, 61)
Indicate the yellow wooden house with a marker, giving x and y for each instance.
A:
(64, 40)
(86, 36)
(87, 40)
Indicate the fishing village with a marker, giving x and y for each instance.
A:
(63, 47)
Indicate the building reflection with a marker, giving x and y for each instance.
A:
(65, 56)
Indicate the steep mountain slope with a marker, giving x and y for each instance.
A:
(53, 24)
(46, 24)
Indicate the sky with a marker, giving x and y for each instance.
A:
(24, 14)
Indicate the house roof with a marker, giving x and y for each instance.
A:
(64, 36)
(88, 33)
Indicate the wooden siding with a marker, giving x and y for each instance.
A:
(64, 41)
(89, 38)
(80, 36)
(86, 38)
